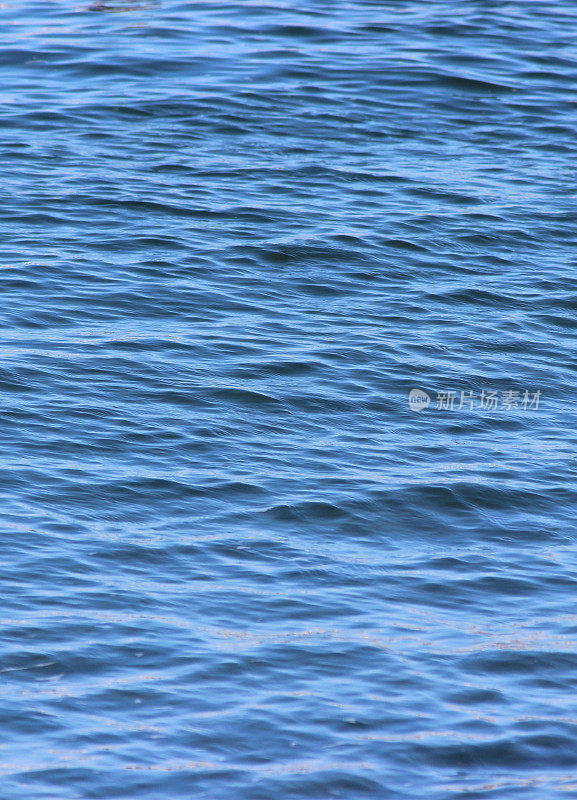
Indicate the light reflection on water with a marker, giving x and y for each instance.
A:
(102, 5)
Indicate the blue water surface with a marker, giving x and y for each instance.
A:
(236, 563)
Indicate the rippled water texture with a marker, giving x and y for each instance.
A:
(235, 562)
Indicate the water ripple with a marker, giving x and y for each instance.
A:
(235, 561)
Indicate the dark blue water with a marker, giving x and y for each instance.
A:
(236, 563)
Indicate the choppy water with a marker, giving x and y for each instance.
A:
(235, 562)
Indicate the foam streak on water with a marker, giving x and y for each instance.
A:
(234, 562)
